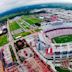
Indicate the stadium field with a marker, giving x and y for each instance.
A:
(61, 69)
(62, 39)
(31, 20)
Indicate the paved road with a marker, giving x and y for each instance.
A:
(11, 41)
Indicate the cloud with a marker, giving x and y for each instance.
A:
(8, 4)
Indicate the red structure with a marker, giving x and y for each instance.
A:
(54, 18)
(49, 51)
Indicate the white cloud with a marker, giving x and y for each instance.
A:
(8, 4)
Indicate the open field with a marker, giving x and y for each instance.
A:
(23, 24)
(37, 30)
(14, 26)
(31, 20)
(22, 34)
(62, 39)
(3, 40)
(26, 21)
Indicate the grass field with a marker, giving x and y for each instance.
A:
(22, 34)
(23, 24)
(31, 19)
(3, 40)
(37, 30)
(14, 26)
(26, 21)
(61, 70)
(62, 39)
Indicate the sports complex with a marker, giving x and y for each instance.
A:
(55, 45)
(36, 40)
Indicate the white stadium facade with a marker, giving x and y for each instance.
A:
(56, 53)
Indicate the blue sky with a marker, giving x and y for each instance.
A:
(8, 4)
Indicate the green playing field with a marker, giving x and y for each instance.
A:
(3, 40)
(61, 69)
(31, 20)
(62, 39)
(13, 26)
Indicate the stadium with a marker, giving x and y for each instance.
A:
(55, 45)
(35, 36)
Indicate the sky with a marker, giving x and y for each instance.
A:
(9, 4)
